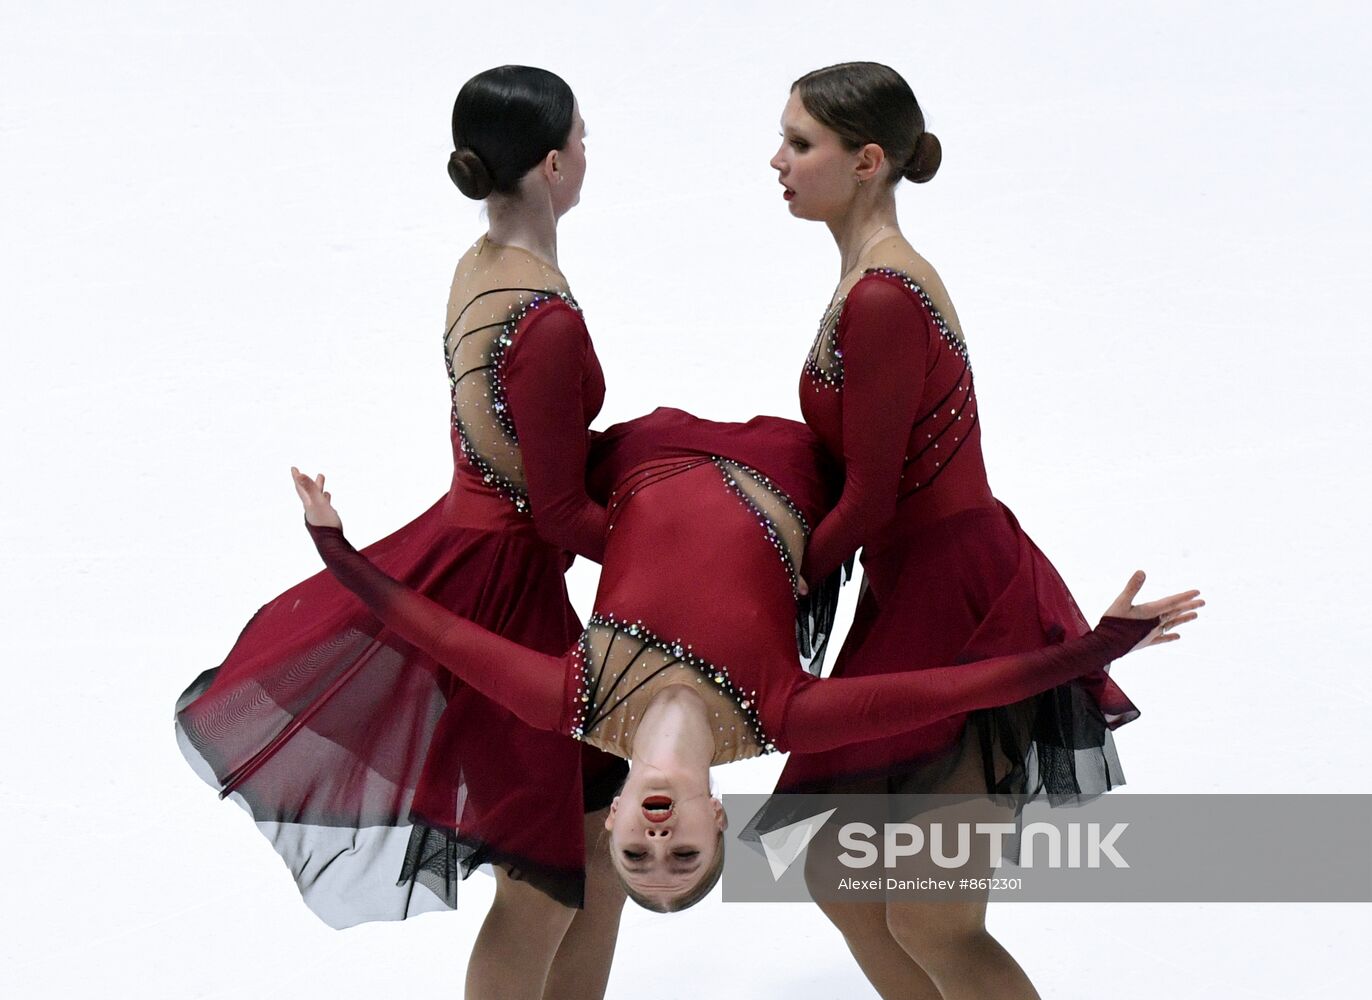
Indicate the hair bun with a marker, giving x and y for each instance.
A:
(925, 159)
(469, 173)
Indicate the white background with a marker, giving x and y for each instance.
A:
(227, 241)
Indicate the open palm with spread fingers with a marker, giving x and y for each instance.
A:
(1178, 609)
(318, 503)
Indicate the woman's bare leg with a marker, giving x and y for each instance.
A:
(951, 943)
(887, 966)
(515, 948)
(581, 967)
(948, 938)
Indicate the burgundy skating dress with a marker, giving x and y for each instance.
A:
(949, 575)
(707, 526)
(380, 778)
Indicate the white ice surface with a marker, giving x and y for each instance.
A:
(227, 241)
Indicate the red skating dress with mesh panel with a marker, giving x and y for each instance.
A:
(949, 575)
(379, 777)
(708, 522)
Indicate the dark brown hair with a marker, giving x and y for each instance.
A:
(505, 121)
(868, 102)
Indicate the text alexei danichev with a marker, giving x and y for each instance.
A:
(896, 883)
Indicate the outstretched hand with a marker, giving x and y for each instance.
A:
(318, 503)
(1172, 611)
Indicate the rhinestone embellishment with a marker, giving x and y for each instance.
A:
(588, 713)
(824, 363)
(770, 527)
(499, 409)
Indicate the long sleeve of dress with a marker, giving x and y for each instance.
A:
(529, 684)
(544, 383)
(835, 712)
(885, 344)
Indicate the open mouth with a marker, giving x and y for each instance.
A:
(657, 808)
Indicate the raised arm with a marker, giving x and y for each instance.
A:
(545, 378)
(824, 714)
(885, 337)
(529, 684)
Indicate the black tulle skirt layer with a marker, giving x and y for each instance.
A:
(963, 588)
(380, 779)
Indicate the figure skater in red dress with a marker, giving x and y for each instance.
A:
(379, 776)
(689, 658)
(949, 576)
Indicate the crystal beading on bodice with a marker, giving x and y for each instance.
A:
(623, 661)
(475, 357)
(781, 520)
(943, 425)
(622, 665)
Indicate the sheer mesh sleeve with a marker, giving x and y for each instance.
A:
(545, 382)
(825, 714)
(529, 684)
(884, 350)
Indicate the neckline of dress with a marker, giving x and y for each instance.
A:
(836, 307)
